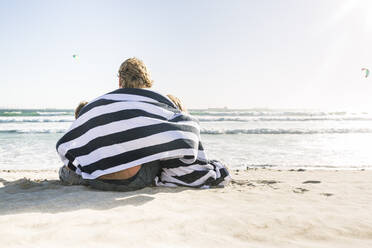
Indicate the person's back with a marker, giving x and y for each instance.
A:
(132, 74)
(134, 137)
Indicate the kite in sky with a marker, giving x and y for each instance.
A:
(367, 72)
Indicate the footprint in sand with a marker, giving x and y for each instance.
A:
(268, 182)
(311, 181)
(249, 183)
(242, 182)
(300, 190)
(299, 170)
(327, 194)
(25, 184)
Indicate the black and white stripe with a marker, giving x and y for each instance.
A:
(129, 127)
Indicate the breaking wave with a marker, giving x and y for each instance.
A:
(268, 113)
(286, 131)
(226, 131)
(256, 119)
(32, 131)
(27, 112)
(33, 120)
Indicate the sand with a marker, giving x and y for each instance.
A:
(261, 208)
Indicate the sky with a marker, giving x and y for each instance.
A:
(231, 53)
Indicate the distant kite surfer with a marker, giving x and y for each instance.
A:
(367, 72)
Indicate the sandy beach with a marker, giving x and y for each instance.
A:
(260, 208)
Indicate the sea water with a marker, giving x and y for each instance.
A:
(240, 138)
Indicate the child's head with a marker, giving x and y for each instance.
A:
(133, 74)
(79, 107)
(177, 102)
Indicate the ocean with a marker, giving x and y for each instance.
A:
(277, 138)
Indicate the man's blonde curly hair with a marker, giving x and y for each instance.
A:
(133, 74)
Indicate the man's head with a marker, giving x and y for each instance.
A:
(133, 74)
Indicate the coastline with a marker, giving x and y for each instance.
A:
(260, 208)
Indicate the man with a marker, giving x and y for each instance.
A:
(119, 140)
(132, 74)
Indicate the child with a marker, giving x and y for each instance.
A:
(177, 102)
(79, 107)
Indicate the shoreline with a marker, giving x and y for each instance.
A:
(234, 169)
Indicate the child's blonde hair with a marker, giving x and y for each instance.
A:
(177, 102)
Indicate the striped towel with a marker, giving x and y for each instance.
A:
(129, 127)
